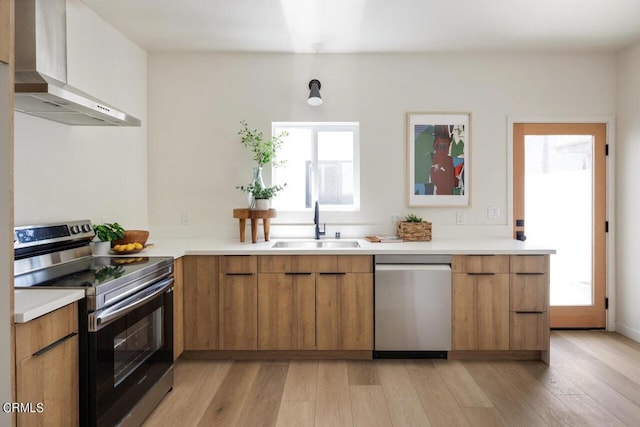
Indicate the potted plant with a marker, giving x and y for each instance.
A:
(264, 152)
(105, 233)
(414, 229)
(260, 195)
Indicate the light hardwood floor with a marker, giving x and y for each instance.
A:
(593, 380)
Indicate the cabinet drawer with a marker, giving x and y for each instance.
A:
(45, 330)
(529, 331)
(529, 263)
(315, 264)
(344, 264)
(529, 292)
(286, 263)
(480, 264)
(239, 264)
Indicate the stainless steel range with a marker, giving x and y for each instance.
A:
(125, 321)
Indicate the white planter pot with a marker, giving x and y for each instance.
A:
(262, 204)
(100, 248)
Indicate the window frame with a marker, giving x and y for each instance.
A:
(315, 128)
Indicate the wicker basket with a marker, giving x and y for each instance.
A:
(414, 231)
(132, 236)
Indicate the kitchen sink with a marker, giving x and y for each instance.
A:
(316, 244)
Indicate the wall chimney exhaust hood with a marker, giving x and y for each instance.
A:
(41, 70)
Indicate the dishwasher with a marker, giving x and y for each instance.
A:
(412, 308)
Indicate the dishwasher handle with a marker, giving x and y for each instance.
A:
(413, 267)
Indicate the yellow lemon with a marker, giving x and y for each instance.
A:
(131, 247)
(138, 246)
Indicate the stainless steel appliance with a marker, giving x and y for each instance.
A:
(125, 321)
(412, 306)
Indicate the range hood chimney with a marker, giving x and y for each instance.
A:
(41, 70)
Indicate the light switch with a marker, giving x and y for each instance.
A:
(493, 212)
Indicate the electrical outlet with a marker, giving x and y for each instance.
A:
(104, 219)
(460, 218)
(185, 218)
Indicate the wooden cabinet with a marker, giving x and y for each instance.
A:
(201, 302)
(344, 310)
(529, 302)
(47, 368)
(480, 312)
(178, 308)
(330, 296)
(6, 29)
(501, 303)
(286, 311)
(238, 303)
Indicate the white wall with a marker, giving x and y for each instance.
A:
(70, 172)
(627, 201)
(196, 101)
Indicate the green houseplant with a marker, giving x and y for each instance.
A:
(105, 233)
(260, 195)
(108, 232)
(264, 152)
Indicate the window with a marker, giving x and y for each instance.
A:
(321, 162)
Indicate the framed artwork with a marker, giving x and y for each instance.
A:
(438, 167)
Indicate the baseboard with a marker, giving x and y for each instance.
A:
(278, 355)
(628, 332)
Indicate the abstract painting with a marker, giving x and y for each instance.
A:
(438, 147)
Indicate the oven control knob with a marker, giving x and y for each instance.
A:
(75, 229)
(86, 228)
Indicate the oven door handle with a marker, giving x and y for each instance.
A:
(102, 318)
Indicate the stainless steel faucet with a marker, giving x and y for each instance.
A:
(316, 221)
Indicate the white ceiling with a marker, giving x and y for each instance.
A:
(346, 26)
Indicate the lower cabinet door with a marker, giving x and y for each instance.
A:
(239, 312)
(286, 311)
(480, 311)
(344, 311)
(49, 384)
(529, 331)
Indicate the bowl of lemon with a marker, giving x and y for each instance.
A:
(128, 248)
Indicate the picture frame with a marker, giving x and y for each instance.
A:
(438, 159)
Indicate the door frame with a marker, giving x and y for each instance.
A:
(609, 121)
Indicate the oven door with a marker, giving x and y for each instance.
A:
(130, 348)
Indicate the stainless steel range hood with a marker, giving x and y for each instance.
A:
(41, 87)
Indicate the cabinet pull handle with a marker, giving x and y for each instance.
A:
(529, 312)
(529, 274)
(481, 255)
(334, 273)
(481, 274)
(297, 274)
(54, 344)
(239, 274)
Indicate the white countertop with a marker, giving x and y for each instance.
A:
(32, 303)
(181, 247)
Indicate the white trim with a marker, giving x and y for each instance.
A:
(634, 334)
(611, 196)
